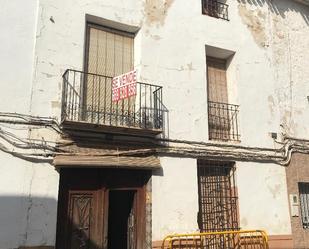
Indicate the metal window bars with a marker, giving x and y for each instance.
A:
(223, 122)
(304, 203)
(87, 97)
(217, 196)
(215, 9)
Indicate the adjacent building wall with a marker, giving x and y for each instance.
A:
(18, 21)
(298, 172)
(28, 190)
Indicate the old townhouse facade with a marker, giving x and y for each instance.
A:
(212, 136)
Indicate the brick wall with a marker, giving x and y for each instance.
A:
(298, 171)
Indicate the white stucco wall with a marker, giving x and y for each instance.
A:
(174, 198)
(28, 191)
(262, 193)
(267, 77)
(18, 21)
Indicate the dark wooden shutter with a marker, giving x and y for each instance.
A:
(216, 77)
(220, 113)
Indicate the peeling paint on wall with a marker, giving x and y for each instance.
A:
(156, 37)
(271, 104)
(155, 11)
(56, 104)
(280, 40)
(275, 190)
(188, 67)
(255, 20)
(49, 75)
(288, 124)
(244, 221)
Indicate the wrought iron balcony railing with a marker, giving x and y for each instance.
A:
(87, 99)
(215, 9)
(223, 122)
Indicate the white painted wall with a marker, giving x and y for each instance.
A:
(262, 193)
(174, 198)
(28, 191)
(18, 24)
(268, 78)
(28, 202)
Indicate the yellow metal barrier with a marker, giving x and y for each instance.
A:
(247, 239)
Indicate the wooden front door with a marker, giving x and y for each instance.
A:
(101, 209)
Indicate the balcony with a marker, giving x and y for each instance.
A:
(223, 122)
(88, 104)
(215, 9)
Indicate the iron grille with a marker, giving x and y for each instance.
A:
(217, 196)
(215, 9)
(223, 121)
(87, 98)
(304, 203)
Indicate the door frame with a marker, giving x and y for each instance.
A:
(137, 217)
(140, 215)
(106, 181)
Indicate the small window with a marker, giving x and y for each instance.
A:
(215, 9)
(304, 203)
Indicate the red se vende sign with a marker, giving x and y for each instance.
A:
(124, 86)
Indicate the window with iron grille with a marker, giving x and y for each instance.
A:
(222, 116)
(215, 9)
(304, 203)
(217, 196)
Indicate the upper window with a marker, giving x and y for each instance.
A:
(109, 53)
(304, 203)
(222, 116)
(215, 8)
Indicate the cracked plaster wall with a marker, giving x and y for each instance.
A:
(17, 54)
(281, 29)
(267, 77)
(28, 191)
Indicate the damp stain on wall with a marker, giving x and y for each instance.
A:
(155, 11)
(255, 20)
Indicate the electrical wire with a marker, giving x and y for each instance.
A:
(174, 147)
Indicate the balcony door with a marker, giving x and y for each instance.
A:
(217, 84)
(218, 108)
(108, 53)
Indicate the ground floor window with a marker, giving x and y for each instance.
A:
(304, 203)
(218, 209)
